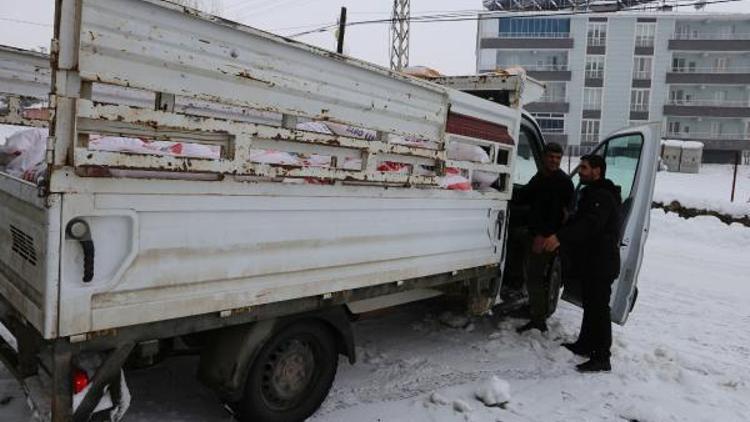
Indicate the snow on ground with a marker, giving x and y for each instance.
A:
(709, 189)
(682, 356)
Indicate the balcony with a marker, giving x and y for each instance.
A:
(641, 74)
(547, 72)
(592, 111)
(644, 45)
(709, 75)
(559, 136)
(529, 40)
(534, 35)
(700, 41)
(641, 79)
(594, 78)
(638, 112)
(707, 108)
(715, 141)
(549, 104)
(589, 138)
(596, 45)
(710, 36)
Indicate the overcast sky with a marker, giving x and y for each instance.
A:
(446, 46)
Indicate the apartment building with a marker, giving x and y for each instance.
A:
(604, 71)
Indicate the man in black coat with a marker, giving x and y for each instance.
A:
(591, 239)
(548, 195)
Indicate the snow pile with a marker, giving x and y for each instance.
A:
(461, 406)
(494, 392)
(710, 189)
(439, 399)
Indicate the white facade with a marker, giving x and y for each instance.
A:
(605, 71)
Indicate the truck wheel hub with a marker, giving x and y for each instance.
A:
(289, 372)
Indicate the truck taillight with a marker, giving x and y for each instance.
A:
(460, 124)
(80, 380)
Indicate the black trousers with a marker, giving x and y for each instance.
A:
(596, 327)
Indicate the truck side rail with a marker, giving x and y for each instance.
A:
(235, 71)
(24, 86)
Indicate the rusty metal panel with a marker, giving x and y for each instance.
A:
(144, 44)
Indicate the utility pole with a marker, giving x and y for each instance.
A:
(342, 31)
(400, 34)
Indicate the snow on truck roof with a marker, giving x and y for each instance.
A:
(674, 143)
(692, 145)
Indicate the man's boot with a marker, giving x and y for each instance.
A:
(578, 348)
(539, 325)
(599, 362)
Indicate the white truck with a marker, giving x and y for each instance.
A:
(258, 266)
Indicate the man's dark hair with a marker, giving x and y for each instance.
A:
(554, 148)
(596, 161)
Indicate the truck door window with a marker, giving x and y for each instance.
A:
(525, 163)
(622, 157)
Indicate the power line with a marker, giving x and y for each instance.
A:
(460, 16)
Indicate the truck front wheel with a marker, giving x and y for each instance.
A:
(291, 376)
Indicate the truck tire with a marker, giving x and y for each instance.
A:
(291, 375)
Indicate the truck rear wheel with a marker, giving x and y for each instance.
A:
(291, 376)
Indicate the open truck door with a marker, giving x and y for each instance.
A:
(632, 157)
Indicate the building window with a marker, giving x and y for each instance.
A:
(550, 122)
(644, 34)
(720, 98)
(518, 27)
(592, 98)
(715, 128)
(589, 131)
(642, 67)
(554, 92)
(686, 32)
(542, 60)
(639, 100)
(678, 64)
(682, 65)
(597, 34)
(594, 67)
(721, 64)
(678, 97)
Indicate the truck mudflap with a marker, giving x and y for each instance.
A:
(50, 379)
